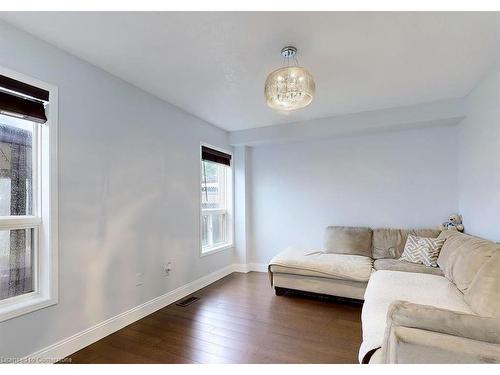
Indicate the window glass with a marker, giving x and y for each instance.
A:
(214, 205)
(16, 199)
(213, 185)
(16, 167)
(219, 228)
(16, 262)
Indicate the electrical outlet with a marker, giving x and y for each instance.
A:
(167, 268)
(139, 279)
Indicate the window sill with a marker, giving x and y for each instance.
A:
(25, 305)
(214, 250)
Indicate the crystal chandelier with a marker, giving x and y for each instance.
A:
(291, 87)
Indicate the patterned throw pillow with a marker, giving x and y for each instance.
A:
(422, 250)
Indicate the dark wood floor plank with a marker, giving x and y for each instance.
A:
(197, 340)
(278, 320)
(266, 332)
(238, 319)
(253, 347)
(283, 324)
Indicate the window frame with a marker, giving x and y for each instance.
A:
(44, 218)
(229, 244)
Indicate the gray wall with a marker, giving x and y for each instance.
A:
(405, 179)
(128, 195)
(480, 159)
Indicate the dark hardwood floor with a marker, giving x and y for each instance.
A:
(237, 319)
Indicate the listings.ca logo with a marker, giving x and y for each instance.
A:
(33, 360)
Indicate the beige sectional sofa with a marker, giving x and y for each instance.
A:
(345, 263)
(411, 313)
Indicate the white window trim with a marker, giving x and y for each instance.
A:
(229, 210)
(46, 198)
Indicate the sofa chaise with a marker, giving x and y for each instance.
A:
(348, 258)
(411, 313)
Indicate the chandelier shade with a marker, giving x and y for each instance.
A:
(291, 87)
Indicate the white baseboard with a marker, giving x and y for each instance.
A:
(242, 268)
(248, 267)
(63, 348)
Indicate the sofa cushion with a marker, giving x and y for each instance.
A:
(389, 243)
(320, 264)
(386, 287)
(462, 256)
(348, 240)
(483, 295)
(400, 265)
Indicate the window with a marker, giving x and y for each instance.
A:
(17, 138)
(216, 200)
(28, 250)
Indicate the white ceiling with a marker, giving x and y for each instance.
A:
(214, 64)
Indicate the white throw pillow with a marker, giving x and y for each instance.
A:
(422, 250)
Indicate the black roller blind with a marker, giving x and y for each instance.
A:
(215, 156)
(24, 88)
(22, 100)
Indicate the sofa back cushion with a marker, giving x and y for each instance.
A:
(483, 295)
(462, 256)
(348, 240)
(390, 243)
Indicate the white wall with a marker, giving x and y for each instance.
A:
(241, 219)
(479, 172)
(128, 195)
(400, 179)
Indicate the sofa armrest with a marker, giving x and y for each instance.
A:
(425, 334)
(413, 345)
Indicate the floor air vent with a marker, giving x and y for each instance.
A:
(187, 301)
